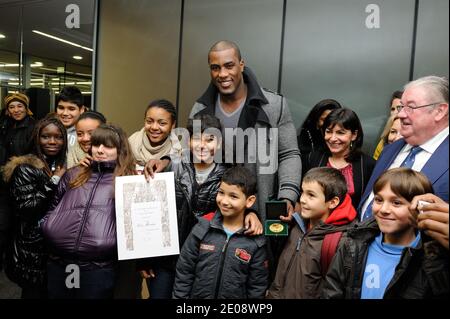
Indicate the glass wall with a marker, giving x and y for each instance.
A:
(44, 46)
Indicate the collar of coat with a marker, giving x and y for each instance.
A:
(105, 166)
(30, 159)
(8, 122)
(252, 111)
(368, 230)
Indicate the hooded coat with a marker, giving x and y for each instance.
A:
(299, 272)
(30, 193)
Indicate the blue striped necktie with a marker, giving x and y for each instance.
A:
(409, 160)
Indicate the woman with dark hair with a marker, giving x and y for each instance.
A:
(395, 100)
(310, 138)
(343, 137)
(155, 140)
(32, 180)
(80, 227)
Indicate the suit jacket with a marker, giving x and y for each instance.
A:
(436, 169)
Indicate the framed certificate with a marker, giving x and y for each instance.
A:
(146, 216)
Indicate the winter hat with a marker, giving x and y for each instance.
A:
(20, 97)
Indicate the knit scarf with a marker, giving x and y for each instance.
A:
(74, 155)
(143, 151)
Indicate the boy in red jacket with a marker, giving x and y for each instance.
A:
(326, 212)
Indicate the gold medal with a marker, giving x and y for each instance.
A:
(276, 228)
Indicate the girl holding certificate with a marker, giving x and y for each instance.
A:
(155, 140)
(80, 227)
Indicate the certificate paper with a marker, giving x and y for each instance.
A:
(146, 216)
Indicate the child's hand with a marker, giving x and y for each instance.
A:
(154, 166)
(86, 162)
(60, 170)
(252, 225)
(147, 273)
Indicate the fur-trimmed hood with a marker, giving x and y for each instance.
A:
(15, 161)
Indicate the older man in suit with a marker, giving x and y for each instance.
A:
(423, 114)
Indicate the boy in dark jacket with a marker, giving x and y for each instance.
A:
(218, 260)
(197, 181)
(325, 209)
(386, 257)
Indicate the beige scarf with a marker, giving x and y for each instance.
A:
(74, 155)
(143, 151)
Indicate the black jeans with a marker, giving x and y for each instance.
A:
(161, 286)
(95, 283)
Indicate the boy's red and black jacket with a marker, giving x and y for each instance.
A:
(299, 272)
(343, 214)
(214, 266)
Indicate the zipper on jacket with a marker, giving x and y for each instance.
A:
(85, 213)
(222, 262)
(297, 249)
(180, 185)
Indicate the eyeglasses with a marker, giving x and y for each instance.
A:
(410, 109)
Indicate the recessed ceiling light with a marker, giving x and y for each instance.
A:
(77, 57)
(2, 36)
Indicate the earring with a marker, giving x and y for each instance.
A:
(351, 144)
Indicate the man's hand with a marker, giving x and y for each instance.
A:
(147, 273)
(154, 166)
(290, 211)
(433, 217)
(252, 225)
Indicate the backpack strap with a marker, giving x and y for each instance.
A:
(329, 246)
